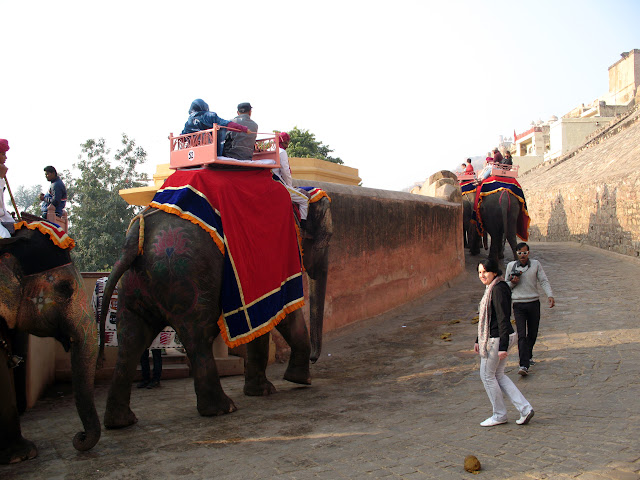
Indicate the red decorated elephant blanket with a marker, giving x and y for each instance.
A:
(249, 217)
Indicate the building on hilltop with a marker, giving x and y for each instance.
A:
(548, 140)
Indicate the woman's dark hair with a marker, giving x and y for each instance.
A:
(490, 265)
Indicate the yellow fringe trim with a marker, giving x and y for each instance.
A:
(299, 237)
(212, 232)
(65, 242)
(140, 232)
(318, 195)
(270, 325)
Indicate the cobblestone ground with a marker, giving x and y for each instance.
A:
(392, 399)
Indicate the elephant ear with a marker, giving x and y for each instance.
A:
(10, 289)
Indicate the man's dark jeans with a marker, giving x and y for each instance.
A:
(527, 322)
(157, 365)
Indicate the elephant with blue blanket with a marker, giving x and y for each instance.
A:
(181, 287)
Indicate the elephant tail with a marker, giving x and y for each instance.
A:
(130, 251)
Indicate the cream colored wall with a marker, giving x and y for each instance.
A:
(41, 367)
(527, 162)
(576, 130)
(624, 78)
(323, 171)
(301, 168)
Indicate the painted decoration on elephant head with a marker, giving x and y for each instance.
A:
(167, 338)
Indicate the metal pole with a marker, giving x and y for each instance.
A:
(12, 200)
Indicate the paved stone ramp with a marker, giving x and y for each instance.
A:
(391, 399)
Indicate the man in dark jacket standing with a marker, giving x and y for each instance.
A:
(240, 145)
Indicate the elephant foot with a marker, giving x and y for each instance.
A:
(114, 420)
(222, 407)
(19, 451)
(298, 374)
(258, 388)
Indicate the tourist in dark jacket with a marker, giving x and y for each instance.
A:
(200, 118)
(495, 336)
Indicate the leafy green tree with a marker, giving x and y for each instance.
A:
(304, 144)
(98, 215)
(27, 199)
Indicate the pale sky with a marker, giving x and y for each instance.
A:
(398, 89)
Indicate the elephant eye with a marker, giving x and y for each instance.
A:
(64, 288)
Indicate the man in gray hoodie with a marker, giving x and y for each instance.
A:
(523, 276)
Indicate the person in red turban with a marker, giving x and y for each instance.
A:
(5, 218)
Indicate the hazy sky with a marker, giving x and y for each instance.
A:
(399, 89)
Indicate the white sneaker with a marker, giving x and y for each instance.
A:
(492, 422)
(523, 420)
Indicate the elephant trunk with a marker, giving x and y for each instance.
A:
(83, 368)
(316, 260)
(317, 293)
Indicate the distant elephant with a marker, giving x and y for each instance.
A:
(189, 301)
(42, 295)
(499, 212)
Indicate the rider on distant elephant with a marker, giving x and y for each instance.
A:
(200, 118)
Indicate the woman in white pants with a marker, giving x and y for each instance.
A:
(495, 336)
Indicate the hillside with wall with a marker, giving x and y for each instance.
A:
(590, 195)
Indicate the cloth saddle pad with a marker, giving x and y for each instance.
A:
(249, 217)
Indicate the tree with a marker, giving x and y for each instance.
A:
(27, 199)
(304, 144)
(98, 215)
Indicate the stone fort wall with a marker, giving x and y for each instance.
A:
(388, 248)
(590, 195)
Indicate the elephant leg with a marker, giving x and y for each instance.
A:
(14, 447)
(20, 342)
(211, 399)
(294, 330)
(511, 236)
(496, 249)
(134, 336)
(255, 377)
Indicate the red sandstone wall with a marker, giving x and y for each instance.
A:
(388, 248)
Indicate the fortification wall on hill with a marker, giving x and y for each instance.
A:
(590, 195)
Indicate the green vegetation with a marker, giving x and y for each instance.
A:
(304, 144)
(99, 217)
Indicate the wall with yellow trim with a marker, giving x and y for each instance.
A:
(301, 168)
